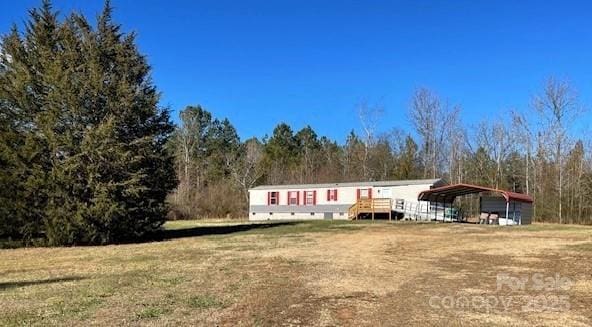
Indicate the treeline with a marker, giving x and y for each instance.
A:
(534, 151)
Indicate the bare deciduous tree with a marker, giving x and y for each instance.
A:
(369, 116)
(558, 107)
(494, 138)
(433, 121)
(245, 167)
(523, 136)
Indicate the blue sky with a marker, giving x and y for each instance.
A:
(259, 63)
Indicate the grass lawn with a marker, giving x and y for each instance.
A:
(309, 273)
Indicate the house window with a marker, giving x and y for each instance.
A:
(293, 198)
(331, 195)
(273, 198)
(310, 198)
(364, 193)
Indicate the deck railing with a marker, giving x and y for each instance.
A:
(371, 206)
(424, 210)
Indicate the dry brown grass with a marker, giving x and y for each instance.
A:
(313, 273)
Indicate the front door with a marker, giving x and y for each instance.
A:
(384, 192)
(328, 215)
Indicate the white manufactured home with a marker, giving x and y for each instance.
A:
(331, 200)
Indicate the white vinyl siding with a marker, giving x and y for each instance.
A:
(345, 197)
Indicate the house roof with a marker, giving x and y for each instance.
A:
(450, 192)
(437, 181)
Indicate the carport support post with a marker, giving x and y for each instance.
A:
(391, 208)
(507, 211)
(436, 210)
(450, 211)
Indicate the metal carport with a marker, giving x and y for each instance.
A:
(447, 194)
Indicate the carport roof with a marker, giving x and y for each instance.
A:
(450, 192)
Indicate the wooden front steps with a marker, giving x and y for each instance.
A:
(371, 206)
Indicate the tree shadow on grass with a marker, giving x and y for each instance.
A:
(169, 234)
(23, 283)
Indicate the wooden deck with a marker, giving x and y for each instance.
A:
(372, 207)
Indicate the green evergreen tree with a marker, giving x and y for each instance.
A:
(85, 136)
(308, 151)
(222, 141)
(190, 144)
(281, 155)
(408, 165)
(353, 157)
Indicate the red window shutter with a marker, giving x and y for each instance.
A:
(314, 197)
(357, 194)
(335, 195)
(268, 198)
(369, 193)
(328, 195)
(297, 197)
